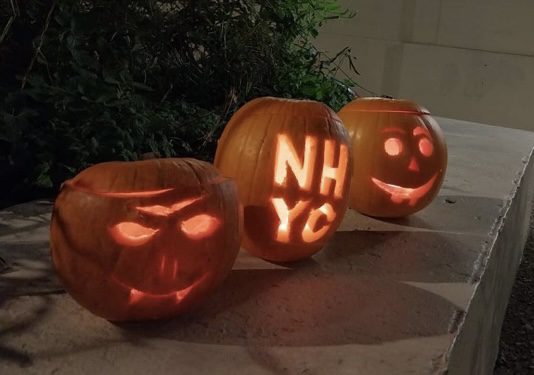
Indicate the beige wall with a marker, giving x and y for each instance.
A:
(465, 59)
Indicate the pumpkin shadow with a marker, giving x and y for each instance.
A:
(356, 291)
(30, 318)
(305, 307)
(433, 259)
(465, 215)
(24, 218)
(25, 270)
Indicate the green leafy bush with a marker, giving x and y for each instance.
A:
(85, 81)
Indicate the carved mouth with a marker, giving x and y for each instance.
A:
(177, 296)
(399, 194)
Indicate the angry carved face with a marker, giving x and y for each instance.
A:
(155, 243)
(148, 252)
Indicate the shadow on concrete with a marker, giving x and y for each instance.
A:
(303, 308)
(25, 270)
(434, 258)
(352, 292)
(448, 214)
(24, 251)
(34, 216)
(22, 325)
(28, 271)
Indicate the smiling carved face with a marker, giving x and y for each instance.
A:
(411, 151)
(399, 156)
(149, 252)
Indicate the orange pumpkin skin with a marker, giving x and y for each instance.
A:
(399, 156)
(147, 239)
(291, 162)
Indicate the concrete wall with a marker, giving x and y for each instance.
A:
(465, 59)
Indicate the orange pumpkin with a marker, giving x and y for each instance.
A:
(291, 162)
(146, 239)
(399, 156)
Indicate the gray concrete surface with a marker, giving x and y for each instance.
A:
(467, 59)
(422, 295)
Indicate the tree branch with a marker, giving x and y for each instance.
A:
(16, 13)
(38, 49)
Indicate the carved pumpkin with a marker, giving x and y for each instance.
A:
(146, 239)
(291, 162)
(399, 156)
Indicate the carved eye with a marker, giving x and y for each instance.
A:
(426, 147)
(393, 146)
(129, 233)
(199, 226)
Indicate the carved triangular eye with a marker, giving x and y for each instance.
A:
(199, 226)
(129, 233)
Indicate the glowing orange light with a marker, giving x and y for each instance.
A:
(426, 147)
(162, 265)
(287, 156)
(330, 173)
(132, 234)
(135, 194)
(156, 210)
(400, 194)
(180, 205)
(413, 165)
(174, 269)
(287, 216)
(200, 226)
(311, 235)
(393, 146)
(159, 210)
(137, 295)
(168, 267)
(180, 295)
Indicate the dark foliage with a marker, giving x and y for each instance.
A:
(88, 81)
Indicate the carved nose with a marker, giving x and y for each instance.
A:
(168, 267)
(413, 165)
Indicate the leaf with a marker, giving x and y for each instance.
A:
(142, 86)
(43, 177)
(118, 78)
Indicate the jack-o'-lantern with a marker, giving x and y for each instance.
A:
(291, 162)
(399, 156)
(146, 239)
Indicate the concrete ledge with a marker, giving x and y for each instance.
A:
(421, 295)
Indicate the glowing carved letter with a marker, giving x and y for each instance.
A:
(286, 155)
(287, 216)
(309, 235)
(330, 173)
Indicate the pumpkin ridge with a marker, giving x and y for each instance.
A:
(254, 180)
(68, 237)
(249, 134)
(193, 169)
